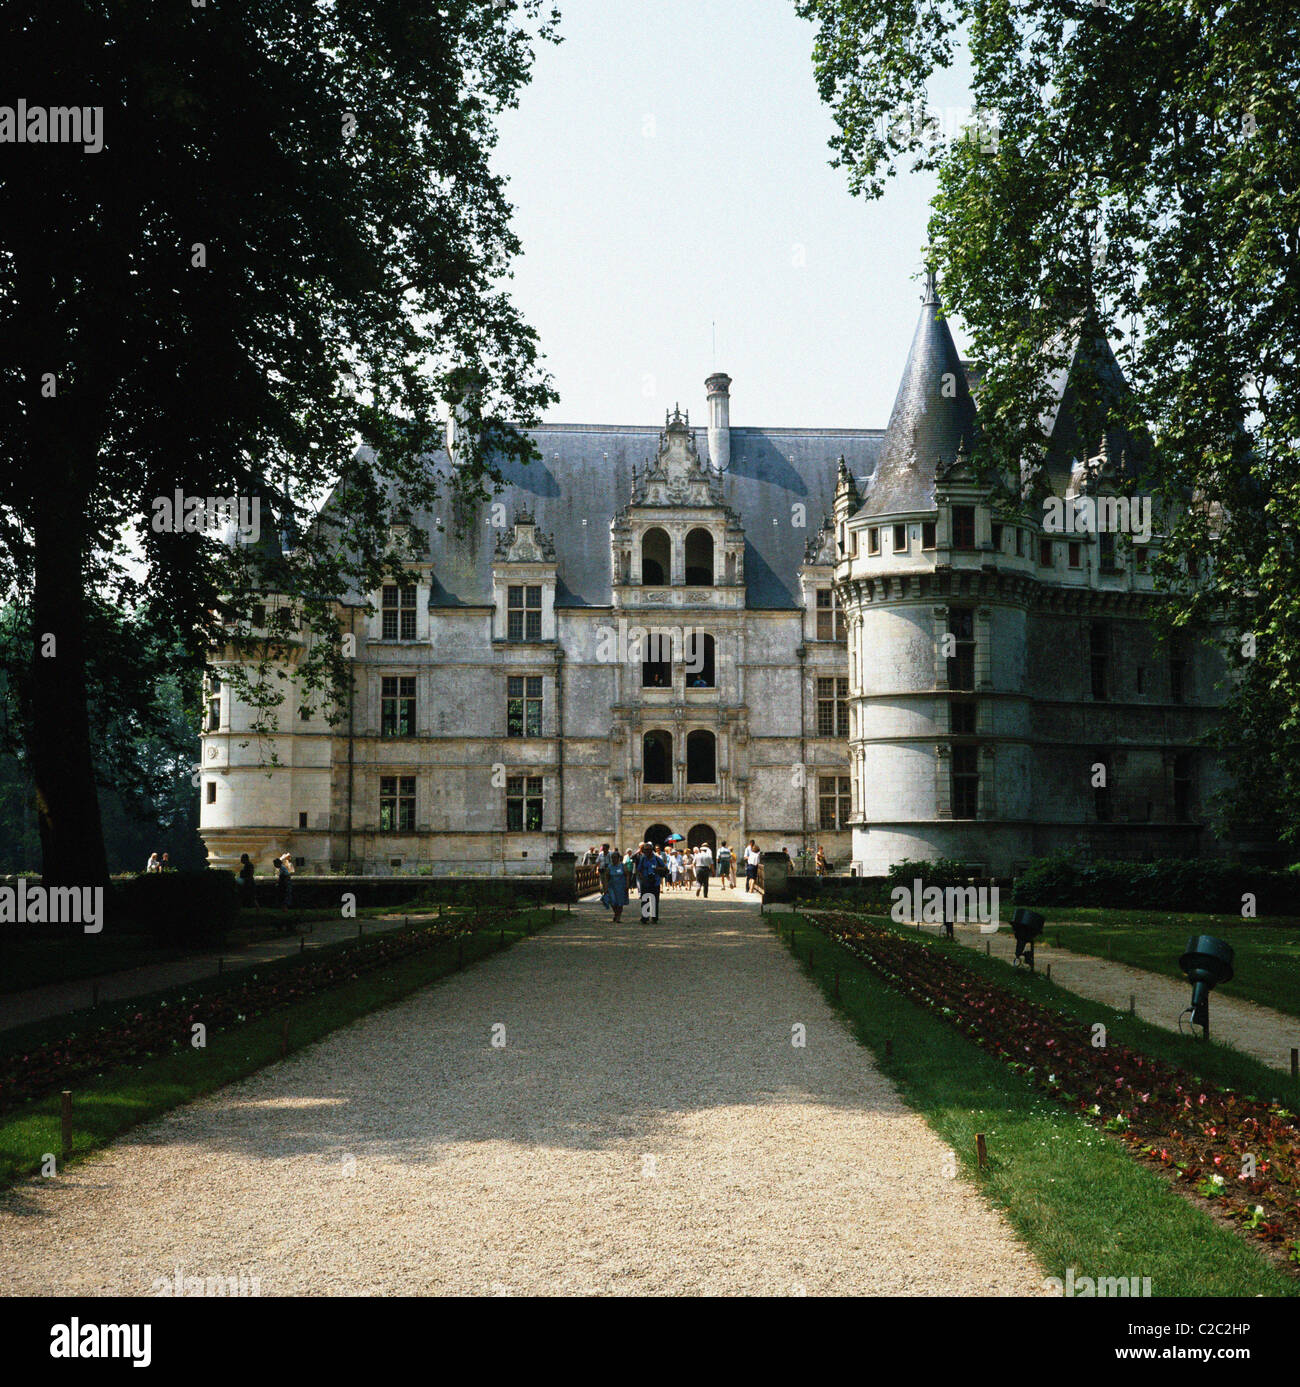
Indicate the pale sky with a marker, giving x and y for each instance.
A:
(670, 169)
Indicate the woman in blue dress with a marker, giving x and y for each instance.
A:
(616, 896)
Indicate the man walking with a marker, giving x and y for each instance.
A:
(726, 865)
(751, 866)
(603, 865)
(703, 869)
(649, 873)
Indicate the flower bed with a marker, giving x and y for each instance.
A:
(162, 1027)
(1207, 1137)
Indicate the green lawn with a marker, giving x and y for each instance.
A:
(105, 1107)
(1267, 951)
(1074, 1195)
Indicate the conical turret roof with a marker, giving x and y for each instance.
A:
(933, 416)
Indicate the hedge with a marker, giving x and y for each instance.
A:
(179, 907)
(1205, 884)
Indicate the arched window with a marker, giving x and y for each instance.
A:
(657, 758)
(658, 647)
(699, 559)
(701, 758)
(656, 558)
(701, 663)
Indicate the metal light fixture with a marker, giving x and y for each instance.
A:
(1026, 925)
(1206, 963)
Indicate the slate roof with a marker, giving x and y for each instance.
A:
(584, 474)
(926, 425)
(1072, 426)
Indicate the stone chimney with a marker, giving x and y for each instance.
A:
(719, 388)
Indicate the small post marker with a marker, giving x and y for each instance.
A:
(988, 949)
(1049, 972)
(981, 1150)
(284, 1037)
(94, 994)
(65, 1115)
(889, 1049)
(1295, 1064)
(358, 926)
(1132, 1004)
(302, 943)
(501, 943)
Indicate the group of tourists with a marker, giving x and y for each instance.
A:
(655, 867)
(283, 881)
(157, 864)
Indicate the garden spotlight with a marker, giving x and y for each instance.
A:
(1207, 962)
(1026, 925)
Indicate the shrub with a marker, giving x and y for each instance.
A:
(1205, 884)
(943, 871)
(179, 907)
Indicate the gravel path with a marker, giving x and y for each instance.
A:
(647, 1128)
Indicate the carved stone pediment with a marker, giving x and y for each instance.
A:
(820, 549)
(524, 543)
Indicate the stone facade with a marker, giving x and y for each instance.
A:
(486, 734)
(727, 633)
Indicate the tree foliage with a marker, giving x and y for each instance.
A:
(291, 242)
(1144, 179)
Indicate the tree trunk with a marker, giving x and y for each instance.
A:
(63, 768)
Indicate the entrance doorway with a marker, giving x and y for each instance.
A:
(657, 834)
(703, 833)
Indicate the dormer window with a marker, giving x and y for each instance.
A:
(873, 540)
(398, 613)
(963, 527)
(656, 558)
(830, 619)
(900, 539)
(523, 613)
(699, 559)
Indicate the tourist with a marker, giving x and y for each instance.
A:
(674, 869)
(821, 864)
(725, 864)
(247, 894)
(703, 869)
(651, 869)
(284, 882)
(751, 865)
(602, 866)
(166, 865)
(153, 864)
(615, 895)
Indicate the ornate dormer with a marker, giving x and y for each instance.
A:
(820, 551)
(677, 476)
(523, 583)
(677, 532)
(524, 543)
